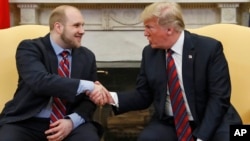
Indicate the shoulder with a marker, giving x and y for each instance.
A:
(194, 37)
(84, 51)
(38, 42)
(204, 47)
(201, 42)
(147, 50)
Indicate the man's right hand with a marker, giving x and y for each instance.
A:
(100, 95)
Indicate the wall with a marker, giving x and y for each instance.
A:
(113, 29)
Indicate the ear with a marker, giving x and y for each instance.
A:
(169, 31)
(58, 27)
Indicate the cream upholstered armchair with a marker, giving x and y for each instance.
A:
(9, 40)
(235, 39)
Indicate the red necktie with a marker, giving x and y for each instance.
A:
(183, 129)
(58, 105)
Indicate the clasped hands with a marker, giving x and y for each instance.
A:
(100, 95)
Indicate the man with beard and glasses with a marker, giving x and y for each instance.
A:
(54, 69)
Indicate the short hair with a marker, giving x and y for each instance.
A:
(58, 15)
(168, 14)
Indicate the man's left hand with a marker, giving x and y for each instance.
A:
(59, 130)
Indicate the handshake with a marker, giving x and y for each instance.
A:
(100, 95)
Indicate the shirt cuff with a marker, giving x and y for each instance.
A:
(76, 119)
(115, 98)
(84, 86)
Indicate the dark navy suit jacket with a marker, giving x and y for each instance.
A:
(38, 80)
(206, 82)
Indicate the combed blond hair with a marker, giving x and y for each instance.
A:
(168, 14)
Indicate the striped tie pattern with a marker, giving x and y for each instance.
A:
(58, 105)
(183, 129)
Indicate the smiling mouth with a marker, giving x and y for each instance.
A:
(79, 38)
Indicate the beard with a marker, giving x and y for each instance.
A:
(69, 42)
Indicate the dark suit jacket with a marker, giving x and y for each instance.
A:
(206, 82)
(38, 80)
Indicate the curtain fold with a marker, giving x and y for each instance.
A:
(4, 14)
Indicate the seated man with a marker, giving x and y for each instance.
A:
(186, 78)
(55, 72)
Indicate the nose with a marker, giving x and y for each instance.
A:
(81, 30)
(145, 33)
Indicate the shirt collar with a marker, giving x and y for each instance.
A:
(178, 46)
(57, 48)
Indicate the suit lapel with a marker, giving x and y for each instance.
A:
(161, 77)
(53, 62)
(50, 58)
(77, 63)
(188, 58)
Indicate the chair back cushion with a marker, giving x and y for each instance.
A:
(9, 40)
